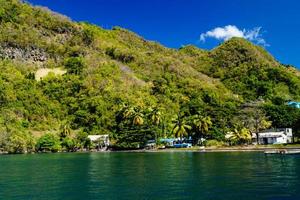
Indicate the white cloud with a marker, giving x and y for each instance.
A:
(229, 31)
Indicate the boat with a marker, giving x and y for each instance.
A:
(282, 151)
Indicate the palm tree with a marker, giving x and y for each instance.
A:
(138, 117)
(155, 116)
(126, 111)
(239, 136)
(65, 130)
(202, 124)
(180, 127)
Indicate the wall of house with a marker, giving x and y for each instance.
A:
(281, 140)
(279, 136)
(274, 140)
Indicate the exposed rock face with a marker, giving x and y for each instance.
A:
(29, 54)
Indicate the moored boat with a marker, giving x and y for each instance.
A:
(282, 151)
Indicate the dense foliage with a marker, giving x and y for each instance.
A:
(117, 83)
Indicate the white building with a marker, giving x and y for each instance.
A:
(277, 136)
(104, 139)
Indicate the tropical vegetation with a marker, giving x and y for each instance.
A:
(116, 82)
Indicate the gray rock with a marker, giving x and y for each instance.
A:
(30, 54)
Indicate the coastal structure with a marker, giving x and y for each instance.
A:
(274, 136)
(169, 142)
(294, 104)
(177, 142)
(151, 144)
(101, 141)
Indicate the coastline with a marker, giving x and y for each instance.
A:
(210, 149)
(193, 149)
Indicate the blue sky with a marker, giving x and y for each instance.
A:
(274, 24)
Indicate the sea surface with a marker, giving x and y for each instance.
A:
(163, 175)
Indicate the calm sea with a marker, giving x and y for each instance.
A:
(178, 175)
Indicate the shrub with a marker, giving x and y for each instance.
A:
(122, 56)
(69, 144)
(82, 140)
(20, 142)
(48, 142)
(213, 143)
(74, 65)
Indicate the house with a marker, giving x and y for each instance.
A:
(274, 136)
(100, 140)
(294, 104)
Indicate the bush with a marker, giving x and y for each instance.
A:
(68, 144)
(74, 65)
(213, 143)
(122, 56)
(20, 142)
(82, 140)
(88, 37)
(48, 142)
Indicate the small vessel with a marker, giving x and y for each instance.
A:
(282, 151)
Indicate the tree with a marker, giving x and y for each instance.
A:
(239, 136)
(82, 140)
(8, 119)
(20, 142)
(253, 117)
(135, 126)
(201, 124)
(284, 116)
(133, 114)
(180, 127)
(67, 142)
(65, 130)
(48, 142)
(155, 116)
(138, 118)
(126, 111)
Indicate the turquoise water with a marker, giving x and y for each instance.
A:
(149, 176)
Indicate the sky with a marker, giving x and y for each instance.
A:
(273, 24)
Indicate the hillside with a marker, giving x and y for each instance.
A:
(118, 83)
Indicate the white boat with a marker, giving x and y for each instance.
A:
(282, 151)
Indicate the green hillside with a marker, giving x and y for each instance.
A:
(118, 83)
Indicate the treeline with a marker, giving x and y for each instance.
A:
(17, 141)
(134, 126)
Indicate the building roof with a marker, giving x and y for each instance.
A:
(294, 104)
(270, 134)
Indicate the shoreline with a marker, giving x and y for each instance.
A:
(208, 150)
(174, 150)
